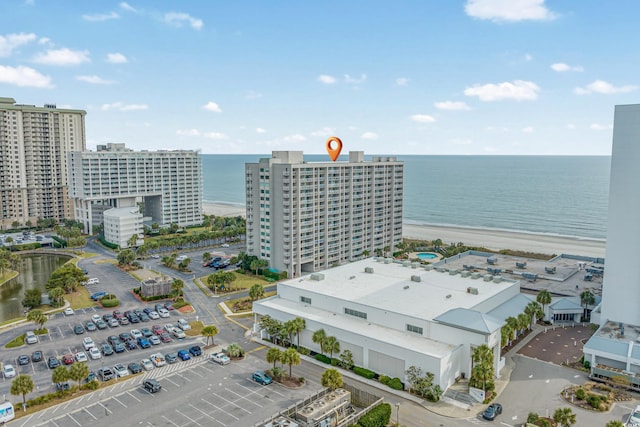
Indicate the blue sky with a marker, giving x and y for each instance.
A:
(387, 77)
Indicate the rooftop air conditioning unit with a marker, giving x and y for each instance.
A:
(475, 275)
(428, 267)
(387, 260)
(453, 272)
(472, 291)
(406, 263)
(368, 269)
(415, 278)
(465, 273)
(441, 269)
(415, 264)
(497, 279)
(317, 276)
(488, 278)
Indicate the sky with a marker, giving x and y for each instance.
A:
(478, 77)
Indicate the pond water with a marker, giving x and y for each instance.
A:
(34, 274)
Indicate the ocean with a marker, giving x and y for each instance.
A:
(557, 195)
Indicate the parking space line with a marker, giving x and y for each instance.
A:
(169, 421)
(183, 377)
(116, 399)
(222, 410)
(172, 382)
(74, 420)
(240, 397)
(192, 420)
(129, 393)
(207, 415)
(106, 410)
(87, 411)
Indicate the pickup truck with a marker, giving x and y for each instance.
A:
(158, 360)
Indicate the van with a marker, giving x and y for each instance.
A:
(93, 281)
(30, 337)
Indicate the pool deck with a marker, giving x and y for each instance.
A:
(414, 255)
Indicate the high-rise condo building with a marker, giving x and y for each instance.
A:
(34, 142)
(305, 217)
(166, 184)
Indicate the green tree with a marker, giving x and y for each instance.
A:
(126, 257)
(274, 355)
(206, 257)
(523, 322)
(366, 253)
(332, 379)
(38, 318)
(256, 292)
(177, 286)
(67, 276)
(332, 345)
(55, 296)
(319, 338)
(78, 372)
(60, 375)
(614, 423)
(564, 416)
(534, 312)
(290, 330)
(142, 251)
(22, 385)
(587, 298)
(506, 334)
(220, 278)
(346, 359)
(257, 264)
(299, 324)
(32, 298)
(290, 357)
(513, 324)
(483, 369)
(184, 264)
(420, 383)
(272, 327)
(543, 298)
(133, 241)
(234, 350)
(209, 332)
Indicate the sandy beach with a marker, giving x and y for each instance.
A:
(491, 239)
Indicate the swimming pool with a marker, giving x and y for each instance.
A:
(427, 255)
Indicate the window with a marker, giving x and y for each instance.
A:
(355, 313)
(416, 329)
(305, 300)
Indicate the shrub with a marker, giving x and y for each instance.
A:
(304, 351)
(532, 417)
(586, 364)
(335, 362)
(109, 302)
(384, 379)
(594, 401)
(301, 380)
(363, 372)
(91, 385)
(581, 394)
(378, 416)
(396, 384)
(180, 304)
(323, 358)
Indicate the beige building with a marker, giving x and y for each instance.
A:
(34, 142)
(309, 216)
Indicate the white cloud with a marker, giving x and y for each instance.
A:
(251, 94)
(528, 129)
(561, 67)
(528, 57)
(597, 126)
(402, 81)
(326, 79)
(459, 141)
(369, 135)
(605, 88)
(509, 10)
(325, 131)
(294, 138)
(94, 80)
(354, 80)
(215, 135)
(24, 77)
(126, 6)
(188, 132)
(571, 126)
(11, 41)
(116, 58)
(451, 105)
(63, 57)
(123, 107)
(178, 19)
(45, 40)
(518, 90)
(212, 106)
(99, 17)
(260, 130)
(423, 118)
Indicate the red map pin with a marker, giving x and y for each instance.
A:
(334, 146)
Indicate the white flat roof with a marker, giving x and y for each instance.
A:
(390, 288)
(358, 326)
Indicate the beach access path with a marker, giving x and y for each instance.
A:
(490, 239)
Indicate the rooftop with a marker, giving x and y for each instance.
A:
(615, 337)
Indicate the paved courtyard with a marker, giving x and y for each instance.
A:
(558, 344)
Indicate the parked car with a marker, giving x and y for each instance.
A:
(144, 342)
(220, 358)
(112, 339)
(117, 314)
(69, 311)
(101, 324)
(81, 356)
(171, 358)
(78, 329)
(105, 374)
(134, 367)
(165, 337)
(146, 332)
(125, 336)
(96, 296)
(118, 347)
(135, 333)
(113, 322)
(163, 312)
(88, 343)
(158, 306)
(154, 340)
(183, 324)
(158, 360)
(53, 363)
(184, 355)
(195, 350)
(123, 321)
(144, 318)
(107, 349)
(91, 377)
(634, 418)
(95, 354)
(492, 411)
(153, 315)
(178, 333)
(30, 337)
(157, 329)
(23, 359)
(120, 370)
(151, 385)
(37, 356)
(168, 305)
(68, 359)
(146, 364)
(95, 318)
(90, 326)
(261, 378)
(224, 245)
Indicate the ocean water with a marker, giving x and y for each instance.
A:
(559, 195)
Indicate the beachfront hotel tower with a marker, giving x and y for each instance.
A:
(34, 142)
(309, 216)
(167, 185)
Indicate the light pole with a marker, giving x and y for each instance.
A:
(398, 414)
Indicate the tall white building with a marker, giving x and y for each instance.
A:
(34, 142)
(167, 184)
(621, 286)
(122, 223)
(305, 217)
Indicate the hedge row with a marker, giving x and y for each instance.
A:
(322, 358)
(378, 416)
(364, 372)
(394, 383)
(107, 244)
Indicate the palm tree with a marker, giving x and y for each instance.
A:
(587, 298)
(290, 329)
(565, 417)
(37, 317)
(332, 379)
(523, 322)
(482, 372)
(133, 241)
(319, 337)
(543, 298)
(234, 350)
(22, 385)
(60, 375)
(177, 286)
(290, 357)
(332, 345)
(274, 355)
(299, 325)
(506, 333)
(209, 331)
(513, 324)
(533, 311)
(365, 253)
(78, 372)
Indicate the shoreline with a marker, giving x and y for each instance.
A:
(487, 238)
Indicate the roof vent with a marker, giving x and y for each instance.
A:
(488, 278)
(472, 291)
(428, 267)
(449, 296)
(465, 273)
(453, 272)
(406, 263)
(497, 279)
(441, 269)
(368, 269)
(387, 260)
(352, 277)
(317, 276)
(406, 287)
(475, 275)
(415, 278)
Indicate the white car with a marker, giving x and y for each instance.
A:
(220, 358)
(135, 333)
(88, 343)
(184, 325)
(634, 418)
(225, 245)
(95, 353)
(158, 360)
(96, 318)
(153, 315)
(30, 337)
(81, 356)
(178, 333)
(146, 364)
(69, 311)
(120, 370)
(163, 312)
(168, 327)
(8, 371)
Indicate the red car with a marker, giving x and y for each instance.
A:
(117, 314)
(165, 337)
(67, 359)
(157, 329)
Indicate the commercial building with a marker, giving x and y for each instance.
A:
(34, 142)
(394, 315)
(166, 184)
(120, 224)
(308, 216)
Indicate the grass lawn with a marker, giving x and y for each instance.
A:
(243, 281)
(80, 298)
(244, 304)
(196, 328)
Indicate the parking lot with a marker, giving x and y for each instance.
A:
(202, 393)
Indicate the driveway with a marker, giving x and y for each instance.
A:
(558, 345)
